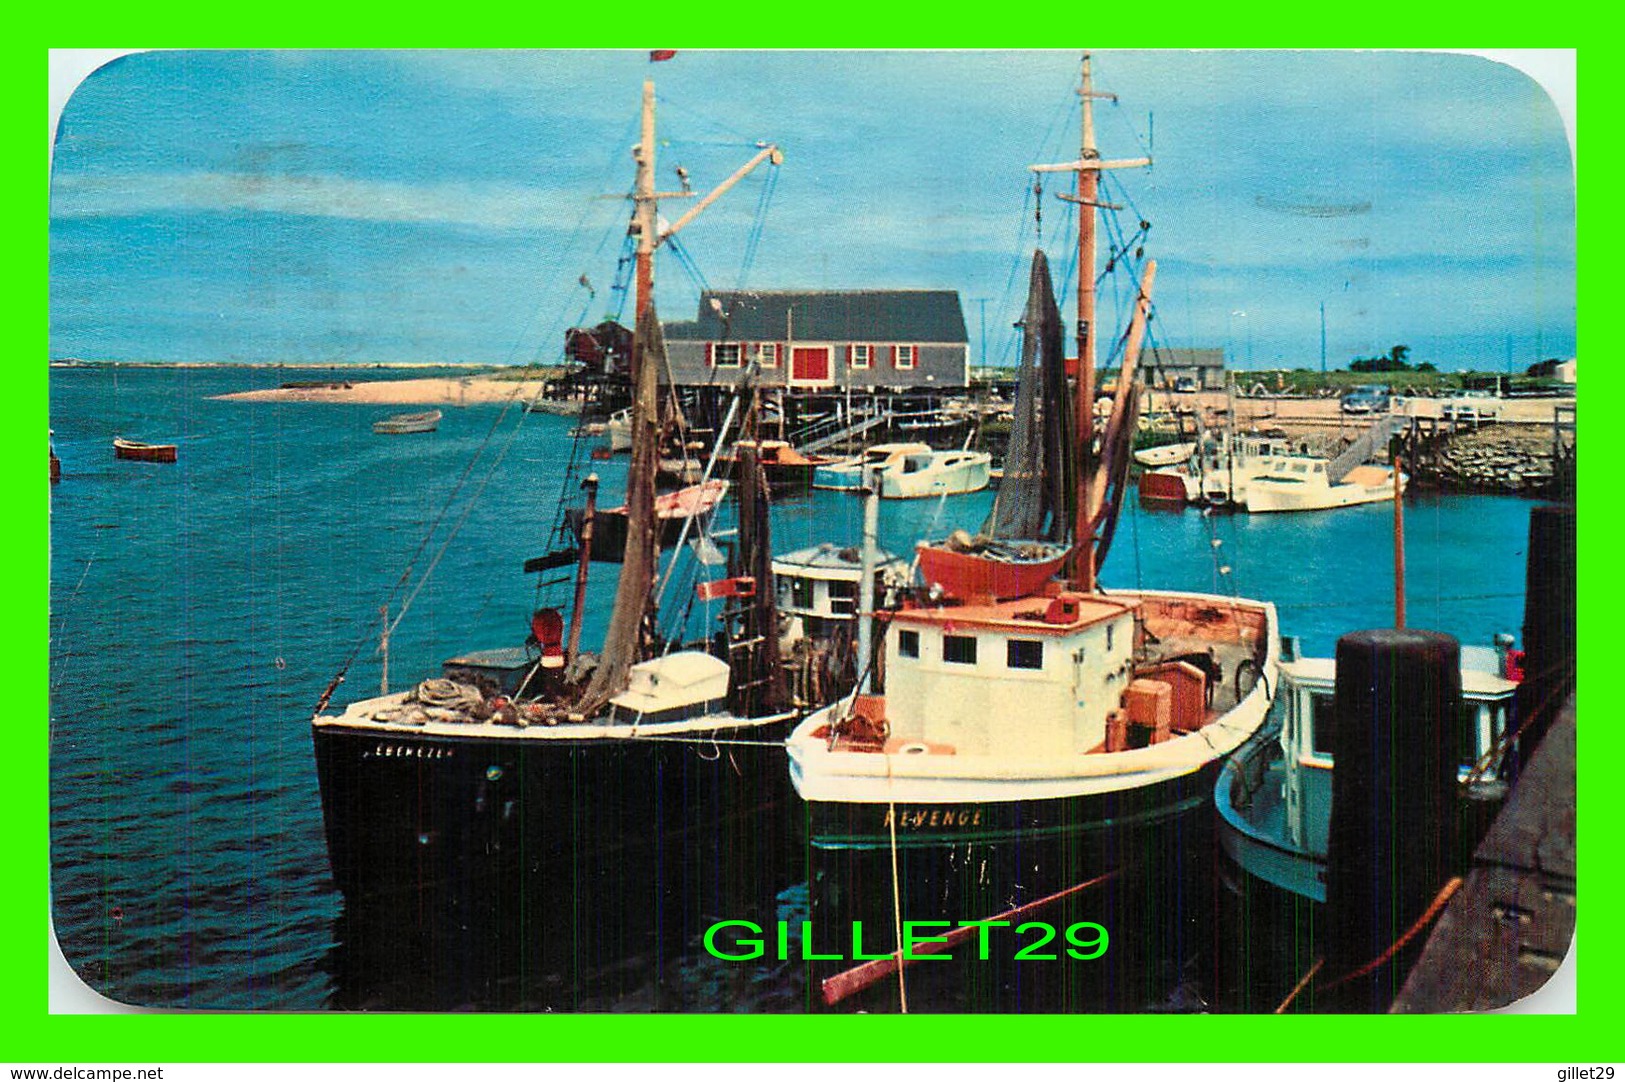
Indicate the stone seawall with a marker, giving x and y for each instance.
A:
(1514, 459)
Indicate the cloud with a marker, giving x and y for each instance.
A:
(490, 205)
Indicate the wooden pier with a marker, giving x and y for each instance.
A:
(1508, 929)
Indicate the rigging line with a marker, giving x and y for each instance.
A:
(406, 572)
(468, 508)
(758, 225)
(701, 118)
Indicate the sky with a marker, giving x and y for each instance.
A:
(444, 207)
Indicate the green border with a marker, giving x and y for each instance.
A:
(34, 1035)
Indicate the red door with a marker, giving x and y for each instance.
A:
(809, 364)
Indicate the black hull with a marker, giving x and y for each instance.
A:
(517, 873)
(979, 861)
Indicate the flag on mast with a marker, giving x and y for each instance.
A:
(657, 55)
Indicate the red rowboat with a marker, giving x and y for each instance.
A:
(143, 452)
(998, 570)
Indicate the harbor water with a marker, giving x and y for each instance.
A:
(199, 609)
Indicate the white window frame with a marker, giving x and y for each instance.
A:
(768, 354)
(717, 352)
(913, 357)
(863, 356)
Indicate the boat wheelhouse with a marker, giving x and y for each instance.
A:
(818, 589)
(934, 473)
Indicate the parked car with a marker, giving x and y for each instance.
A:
(1472, 406)
(1186, 385)
(1367, 398)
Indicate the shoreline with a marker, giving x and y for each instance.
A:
(463, 391)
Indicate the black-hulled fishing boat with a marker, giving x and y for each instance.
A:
(542, 810)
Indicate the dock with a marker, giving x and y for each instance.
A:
(1508, 929)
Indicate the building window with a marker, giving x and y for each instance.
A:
(726, 354)
(959, 649)
(767, 353)
(801, 593)
(908, 643)
(1024, 654)
(904, 356)
(862, 356)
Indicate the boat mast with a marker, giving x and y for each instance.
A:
(1088, 168)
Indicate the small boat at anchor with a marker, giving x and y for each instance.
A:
(403, 423)
(1168, 454)
(136, 451)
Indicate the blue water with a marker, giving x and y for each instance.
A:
(199, 609)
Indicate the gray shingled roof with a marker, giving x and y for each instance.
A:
(1184, 357)
(858, 315)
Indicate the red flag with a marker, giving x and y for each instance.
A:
(657, 55)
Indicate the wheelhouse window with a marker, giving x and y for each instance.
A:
(905, 356)
(863, 356)
(1324, 718)
(1024, 654)
(801, 593)
(726, 354)
(959, 649)
(908, 643)
(843, 597)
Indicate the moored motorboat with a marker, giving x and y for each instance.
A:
(1167, 454)
(1274, 797)
(136, 451)
(934, 473)
(1299, 483)
(785, 467)
(401, 424)
(852, 475)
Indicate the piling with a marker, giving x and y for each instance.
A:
(1395, 825)
(1548, 624)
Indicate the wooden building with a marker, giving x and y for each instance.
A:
(1164, 367)
(823, 340)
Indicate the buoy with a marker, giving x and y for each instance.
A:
(1395, 823)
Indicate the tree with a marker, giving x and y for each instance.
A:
(1398, 355)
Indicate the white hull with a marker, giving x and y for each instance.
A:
(1273, 494)
(949, 473)
(1171, 454)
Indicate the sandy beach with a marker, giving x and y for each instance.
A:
(468, 390)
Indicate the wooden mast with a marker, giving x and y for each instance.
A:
(1088, 168)
(634, 593)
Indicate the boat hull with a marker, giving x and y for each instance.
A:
(979, 860)
(514, 859)
(1164, 487)
(1264, 495)
(964, 574)
(971, 475)
(144, 452)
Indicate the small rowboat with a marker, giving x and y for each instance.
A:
(964, 567)
(137, 451)
(402, 423)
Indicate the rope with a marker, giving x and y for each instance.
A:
(1446, 892)
(896, 900)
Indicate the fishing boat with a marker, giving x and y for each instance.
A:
(619, 430)
(1006, 754)
(673, 510)
(852, 475)
(1301, 483)
(934, 473)
(1274, 797)
(401, 424)
(136, 451)
(547, 807)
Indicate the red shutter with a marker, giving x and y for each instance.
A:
(894, 356)
(849, 356)
(710, 359)
(778, 354)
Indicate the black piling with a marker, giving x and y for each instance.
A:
(1548, 624)
(1395, 828)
